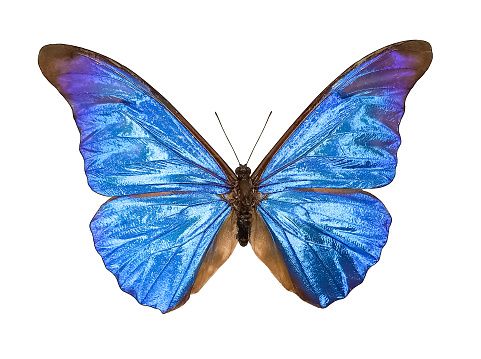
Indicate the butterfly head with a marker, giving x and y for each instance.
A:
(243, 172)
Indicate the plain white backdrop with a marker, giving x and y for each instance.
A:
(242, 60)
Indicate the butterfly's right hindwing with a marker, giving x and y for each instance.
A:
(328, 241)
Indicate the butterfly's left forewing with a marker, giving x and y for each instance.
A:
(132, 139)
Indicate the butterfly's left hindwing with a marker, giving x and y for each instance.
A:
(154, 245)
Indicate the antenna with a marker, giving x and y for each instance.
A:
(227, 137)
(270, 113)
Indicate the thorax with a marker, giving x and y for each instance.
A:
(244, 195)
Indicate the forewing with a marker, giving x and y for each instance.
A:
(132, 139)
(155, 245)
(328, 240)
(348, 137)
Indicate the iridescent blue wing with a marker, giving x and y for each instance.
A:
(132, 139)
(155, 245)
(348, 136)
(321, 232)
(326, 240)
(163, 238)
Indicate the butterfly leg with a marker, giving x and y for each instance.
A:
(232, 198)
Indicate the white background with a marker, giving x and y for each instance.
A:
(420, 300)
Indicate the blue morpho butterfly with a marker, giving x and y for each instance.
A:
(178, 210)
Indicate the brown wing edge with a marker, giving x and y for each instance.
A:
(410, 45)
(266, 250)
(47, 61)
(339, 191)
(219, 251)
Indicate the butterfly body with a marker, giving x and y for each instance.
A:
(243, 199)
(178, 210)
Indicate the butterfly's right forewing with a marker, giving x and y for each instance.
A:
(349, 136)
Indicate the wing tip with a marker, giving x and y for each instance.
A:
(52, 57)
(57, 51)
(423, 50)
(414, 45)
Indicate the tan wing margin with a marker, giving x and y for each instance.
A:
(219, 251)
(266, 250)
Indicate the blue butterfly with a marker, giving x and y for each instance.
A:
(178, 210)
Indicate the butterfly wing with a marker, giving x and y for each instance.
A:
(132, 139)
(321, 232)
(348, 136)
(327, 240)
(155, 245)
(163, 238)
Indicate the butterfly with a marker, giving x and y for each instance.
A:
(178, 210)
